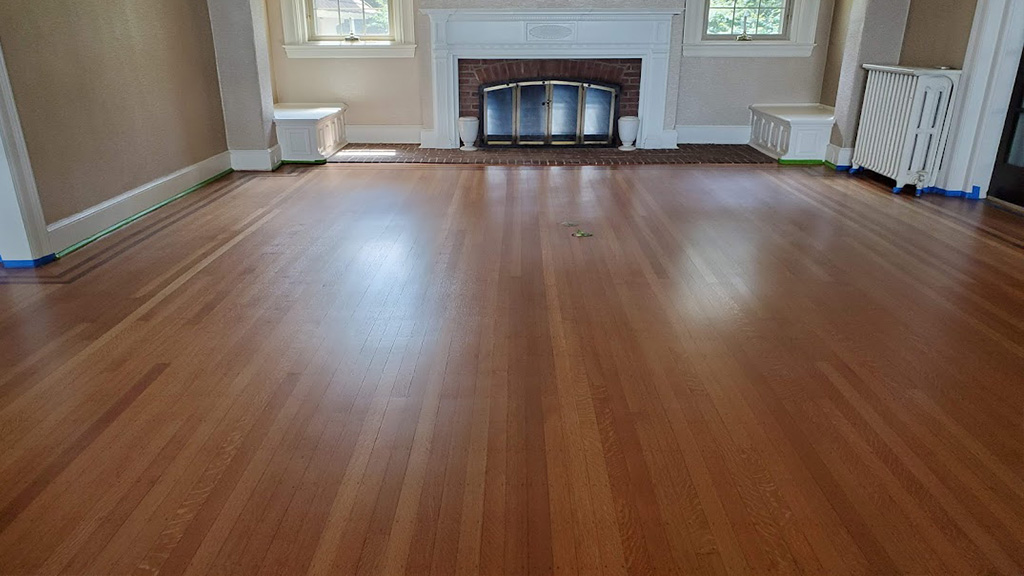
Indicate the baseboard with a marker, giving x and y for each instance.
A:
(28, 263)
(256, 160)
(383, 134)
(840, 158)
(79, 227)
(713, 134)
(428, 138)
(665, 140)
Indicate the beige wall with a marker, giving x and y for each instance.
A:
(711, 91)
(112, 94)
(937, 32)
(719, 91)
(377, 91)
(836, 47)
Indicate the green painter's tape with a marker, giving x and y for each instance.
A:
(801, 162)
(831, 165)
(131, 219)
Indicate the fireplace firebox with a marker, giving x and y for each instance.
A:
(548, 113)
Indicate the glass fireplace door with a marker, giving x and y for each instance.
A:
(548, 112)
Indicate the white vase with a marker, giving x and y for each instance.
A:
(629, 128)
(469, 127)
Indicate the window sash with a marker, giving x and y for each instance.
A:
(787, 14)
(314, 34)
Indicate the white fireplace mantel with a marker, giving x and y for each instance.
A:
(542, 34)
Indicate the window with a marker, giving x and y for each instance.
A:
(750, 28)
(348, 28)
(748, 19)
(351, 19)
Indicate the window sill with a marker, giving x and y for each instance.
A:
(753, 49)
(350, 50)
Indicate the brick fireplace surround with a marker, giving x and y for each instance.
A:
(622, 71)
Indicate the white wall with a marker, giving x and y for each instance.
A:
(707, 91)
(14, 244)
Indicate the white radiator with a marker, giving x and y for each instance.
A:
(904, 123)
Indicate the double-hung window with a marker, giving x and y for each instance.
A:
(350, 19)
(750, 28)
(752, 19)
(348, 28)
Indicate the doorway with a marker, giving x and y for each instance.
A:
(1008, 176)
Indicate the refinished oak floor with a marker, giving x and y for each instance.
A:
(416, 370)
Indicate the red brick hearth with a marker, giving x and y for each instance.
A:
(622, 71)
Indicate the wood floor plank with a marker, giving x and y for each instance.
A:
(369, 369)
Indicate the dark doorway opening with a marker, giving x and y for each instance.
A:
(1008, 176)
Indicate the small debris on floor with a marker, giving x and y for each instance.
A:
(570, 224)
(581, 234)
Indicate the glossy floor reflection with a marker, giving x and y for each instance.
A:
(417, 370)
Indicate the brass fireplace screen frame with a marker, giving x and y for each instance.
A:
(582, 139)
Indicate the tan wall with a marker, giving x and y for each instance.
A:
(937, 32)
(112, 94)
(398, 91)
(836, 47)
(377, 91)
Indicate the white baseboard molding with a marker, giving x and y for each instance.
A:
(664, 140)
(428, 138)
(383, 134)
(256, 160)
(714, 134)
(73, 229)
(839, 157)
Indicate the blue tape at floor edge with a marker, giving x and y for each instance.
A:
(28, 263)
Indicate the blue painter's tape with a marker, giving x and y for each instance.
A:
(29, 263)
(974, 194)
(843, 168)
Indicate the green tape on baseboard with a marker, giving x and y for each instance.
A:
(801, 162)
(130, 219)
(831, 165)
(305, 162)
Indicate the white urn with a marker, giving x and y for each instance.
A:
(629, 128)
(469, 127)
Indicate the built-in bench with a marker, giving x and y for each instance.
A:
(792, 133)
(309, 132)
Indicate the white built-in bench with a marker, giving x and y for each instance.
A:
(309, 132)
(792, 133)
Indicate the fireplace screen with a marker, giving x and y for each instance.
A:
(549, 112)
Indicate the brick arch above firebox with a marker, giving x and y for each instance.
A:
(624, 72)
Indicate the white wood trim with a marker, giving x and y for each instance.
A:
(585, 33)
(73, 229)
(803, 28)
(384, 134)
(256, 160)
(754, 49)
(990, 69)
(840, 157)
(298, 43)
(714, 134)
(346, 50)
(32, 241)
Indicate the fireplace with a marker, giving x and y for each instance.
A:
(589, 38)
(553, 102)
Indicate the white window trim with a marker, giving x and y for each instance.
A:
(802, 29)
(297, 43)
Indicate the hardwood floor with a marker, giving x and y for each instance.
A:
(416, 370)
